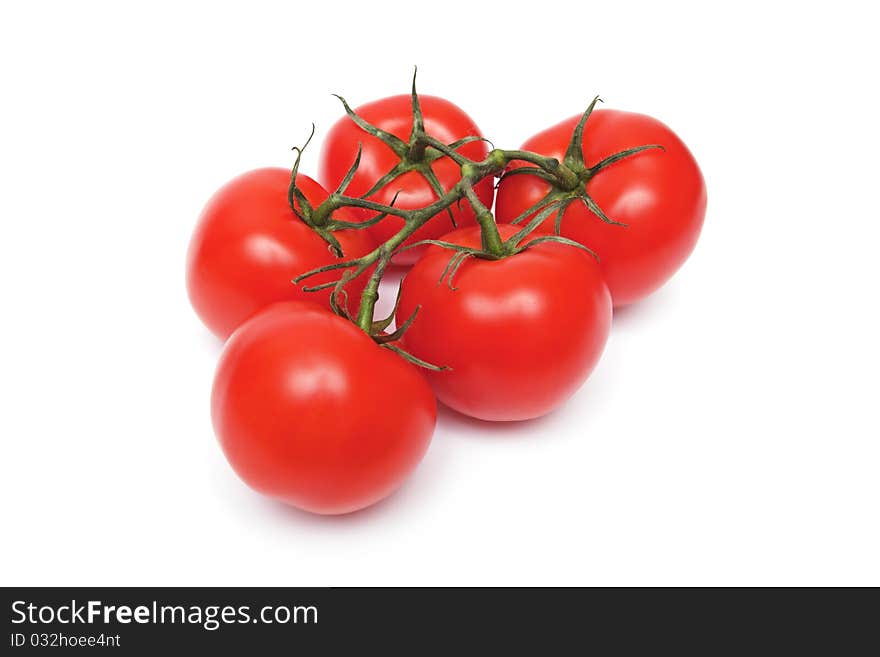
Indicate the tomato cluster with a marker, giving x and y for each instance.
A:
(501, 316)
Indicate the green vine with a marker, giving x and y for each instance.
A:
(568, 180)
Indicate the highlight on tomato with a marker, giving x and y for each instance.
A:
(518, 334)
(396, 165)
(249, 244)
(641, 213)
(309, 410)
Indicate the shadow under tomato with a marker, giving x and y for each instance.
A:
(642, 312)
(369, 514)
(518, 429)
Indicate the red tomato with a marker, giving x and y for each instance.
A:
(520, 334)
(660, 195)
(309, 410)
(249, 245)
(443, 121)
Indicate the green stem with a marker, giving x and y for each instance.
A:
(371, 296)
(471, 172)
(491, 238)
(568, 179)
(382, 254)
(417, 149)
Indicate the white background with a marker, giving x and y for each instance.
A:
(729, 435)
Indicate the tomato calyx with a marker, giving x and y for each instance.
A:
(305, 212)
(376, 329)
(383, 338)
(569, 189)
(574, 154)
(320, 218)
(563, 194)
(416, 154)
(509, 247)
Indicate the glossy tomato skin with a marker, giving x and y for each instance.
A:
(310, 411)
(444, 121)
(520, 334)
(248, 245)
(660, 195)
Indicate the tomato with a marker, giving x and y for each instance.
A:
(520, 334)
(249, 245)
(443, 121)
(659, 195)
(310, 411)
